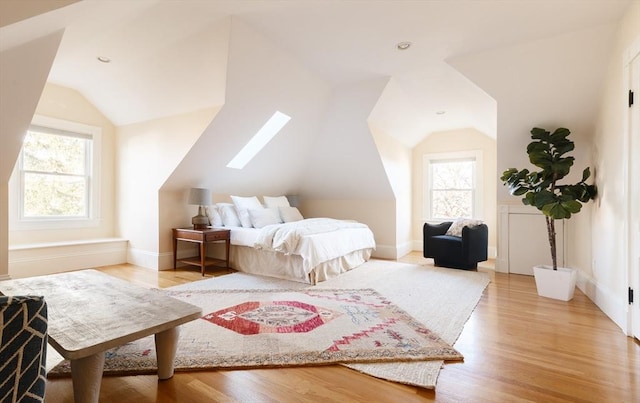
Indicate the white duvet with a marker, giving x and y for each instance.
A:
(316, 240)
(285, 238)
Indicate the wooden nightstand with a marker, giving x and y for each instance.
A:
(202, 237)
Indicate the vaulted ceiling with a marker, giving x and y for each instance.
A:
(169, 57)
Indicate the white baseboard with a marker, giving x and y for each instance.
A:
(156, 261)
(39, 259)
(5, 277)
(385, 252)
(492, 252)
(610, 303)
(502, 265)
(143, 258)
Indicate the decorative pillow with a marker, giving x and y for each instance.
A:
(456, 227)
(261, 217)
(243, 204)
(279, 201)
(290, 214)
(214, 216)
(229, 215)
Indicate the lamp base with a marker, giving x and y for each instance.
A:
(200, 221)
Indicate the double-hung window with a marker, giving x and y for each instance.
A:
(452, 185)
(57, 178)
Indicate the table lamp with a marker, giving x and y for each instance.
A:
(200, 197)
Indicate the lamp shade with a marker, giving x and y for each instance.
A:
(199, 197)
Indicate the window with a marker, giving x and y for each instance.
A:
(452, 185)
(259, 140)
(56, 178)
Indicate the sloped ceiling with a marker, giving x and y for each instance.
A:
(154, 44)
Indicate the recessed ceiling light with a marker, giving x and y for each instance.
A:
(104, 59)
(440, 112)
(403, 45)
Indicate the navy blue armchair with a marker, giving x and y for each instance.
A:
(463, 252)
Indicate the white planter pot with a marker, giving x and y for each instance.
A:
(558, 284)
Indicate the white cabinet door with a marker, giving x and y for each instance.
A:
(529, 243)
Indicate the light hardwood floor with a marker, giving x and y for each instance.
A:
(516, 346)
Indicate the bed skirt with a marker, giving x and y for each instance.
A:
(290, 267)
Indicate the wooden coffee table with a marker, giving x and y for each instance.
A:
(90, 312)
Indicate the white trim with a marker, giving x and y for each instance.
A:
(504, 211)
(385, 252)
(631, 234)
(16, 223)
(631, 52)
(478, 195)
(144, 258)
(610, 303)
(49, 258)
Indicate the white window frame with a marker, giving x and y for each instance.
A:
(92, 219)
(478, 181)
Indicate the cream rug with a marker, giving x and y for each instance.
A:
(440, 299)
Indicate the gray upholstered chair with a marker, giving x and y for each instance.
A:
(458, 252)
(23, 348)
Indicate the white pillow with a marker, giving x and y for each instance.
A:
(456, 227)
(243, 204)
(261, 217)
(290, 214)
(214, 216)
(229, 215)
(278, 201)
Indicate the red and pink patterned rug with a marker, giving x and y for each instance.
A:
(276, 328)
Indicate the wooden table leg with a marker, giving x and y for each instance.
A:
(166, 346)
(86, 374)
(227, 244)
(175, 251)
(203, 255)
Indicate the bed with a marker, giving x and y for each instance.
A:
(276, 241)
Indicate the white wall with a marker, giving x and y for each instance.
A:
(261, 79)
(396, 159)
(344, 175)
(607, 279)
(533, 87)
(68, 104)
(325, 154)
(23, 73)
(12, 11)
(146, 155)
(453, 141)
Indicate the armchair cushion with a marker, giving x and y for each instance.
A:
(23, 348)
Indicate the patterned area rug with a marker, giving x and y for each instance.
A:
(440, 299)
(275, 328)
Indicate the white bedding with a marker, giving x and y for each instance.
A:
(315, 241)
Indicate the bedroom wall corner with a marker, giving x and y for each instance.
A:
(147, 153)
(25, 68)
(379, 215)
(607, 283)
(397, 160)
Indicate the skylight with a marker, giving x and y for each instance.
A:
(259, 140)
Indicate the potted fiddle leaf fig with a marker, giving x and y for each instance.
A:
(557, 201)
